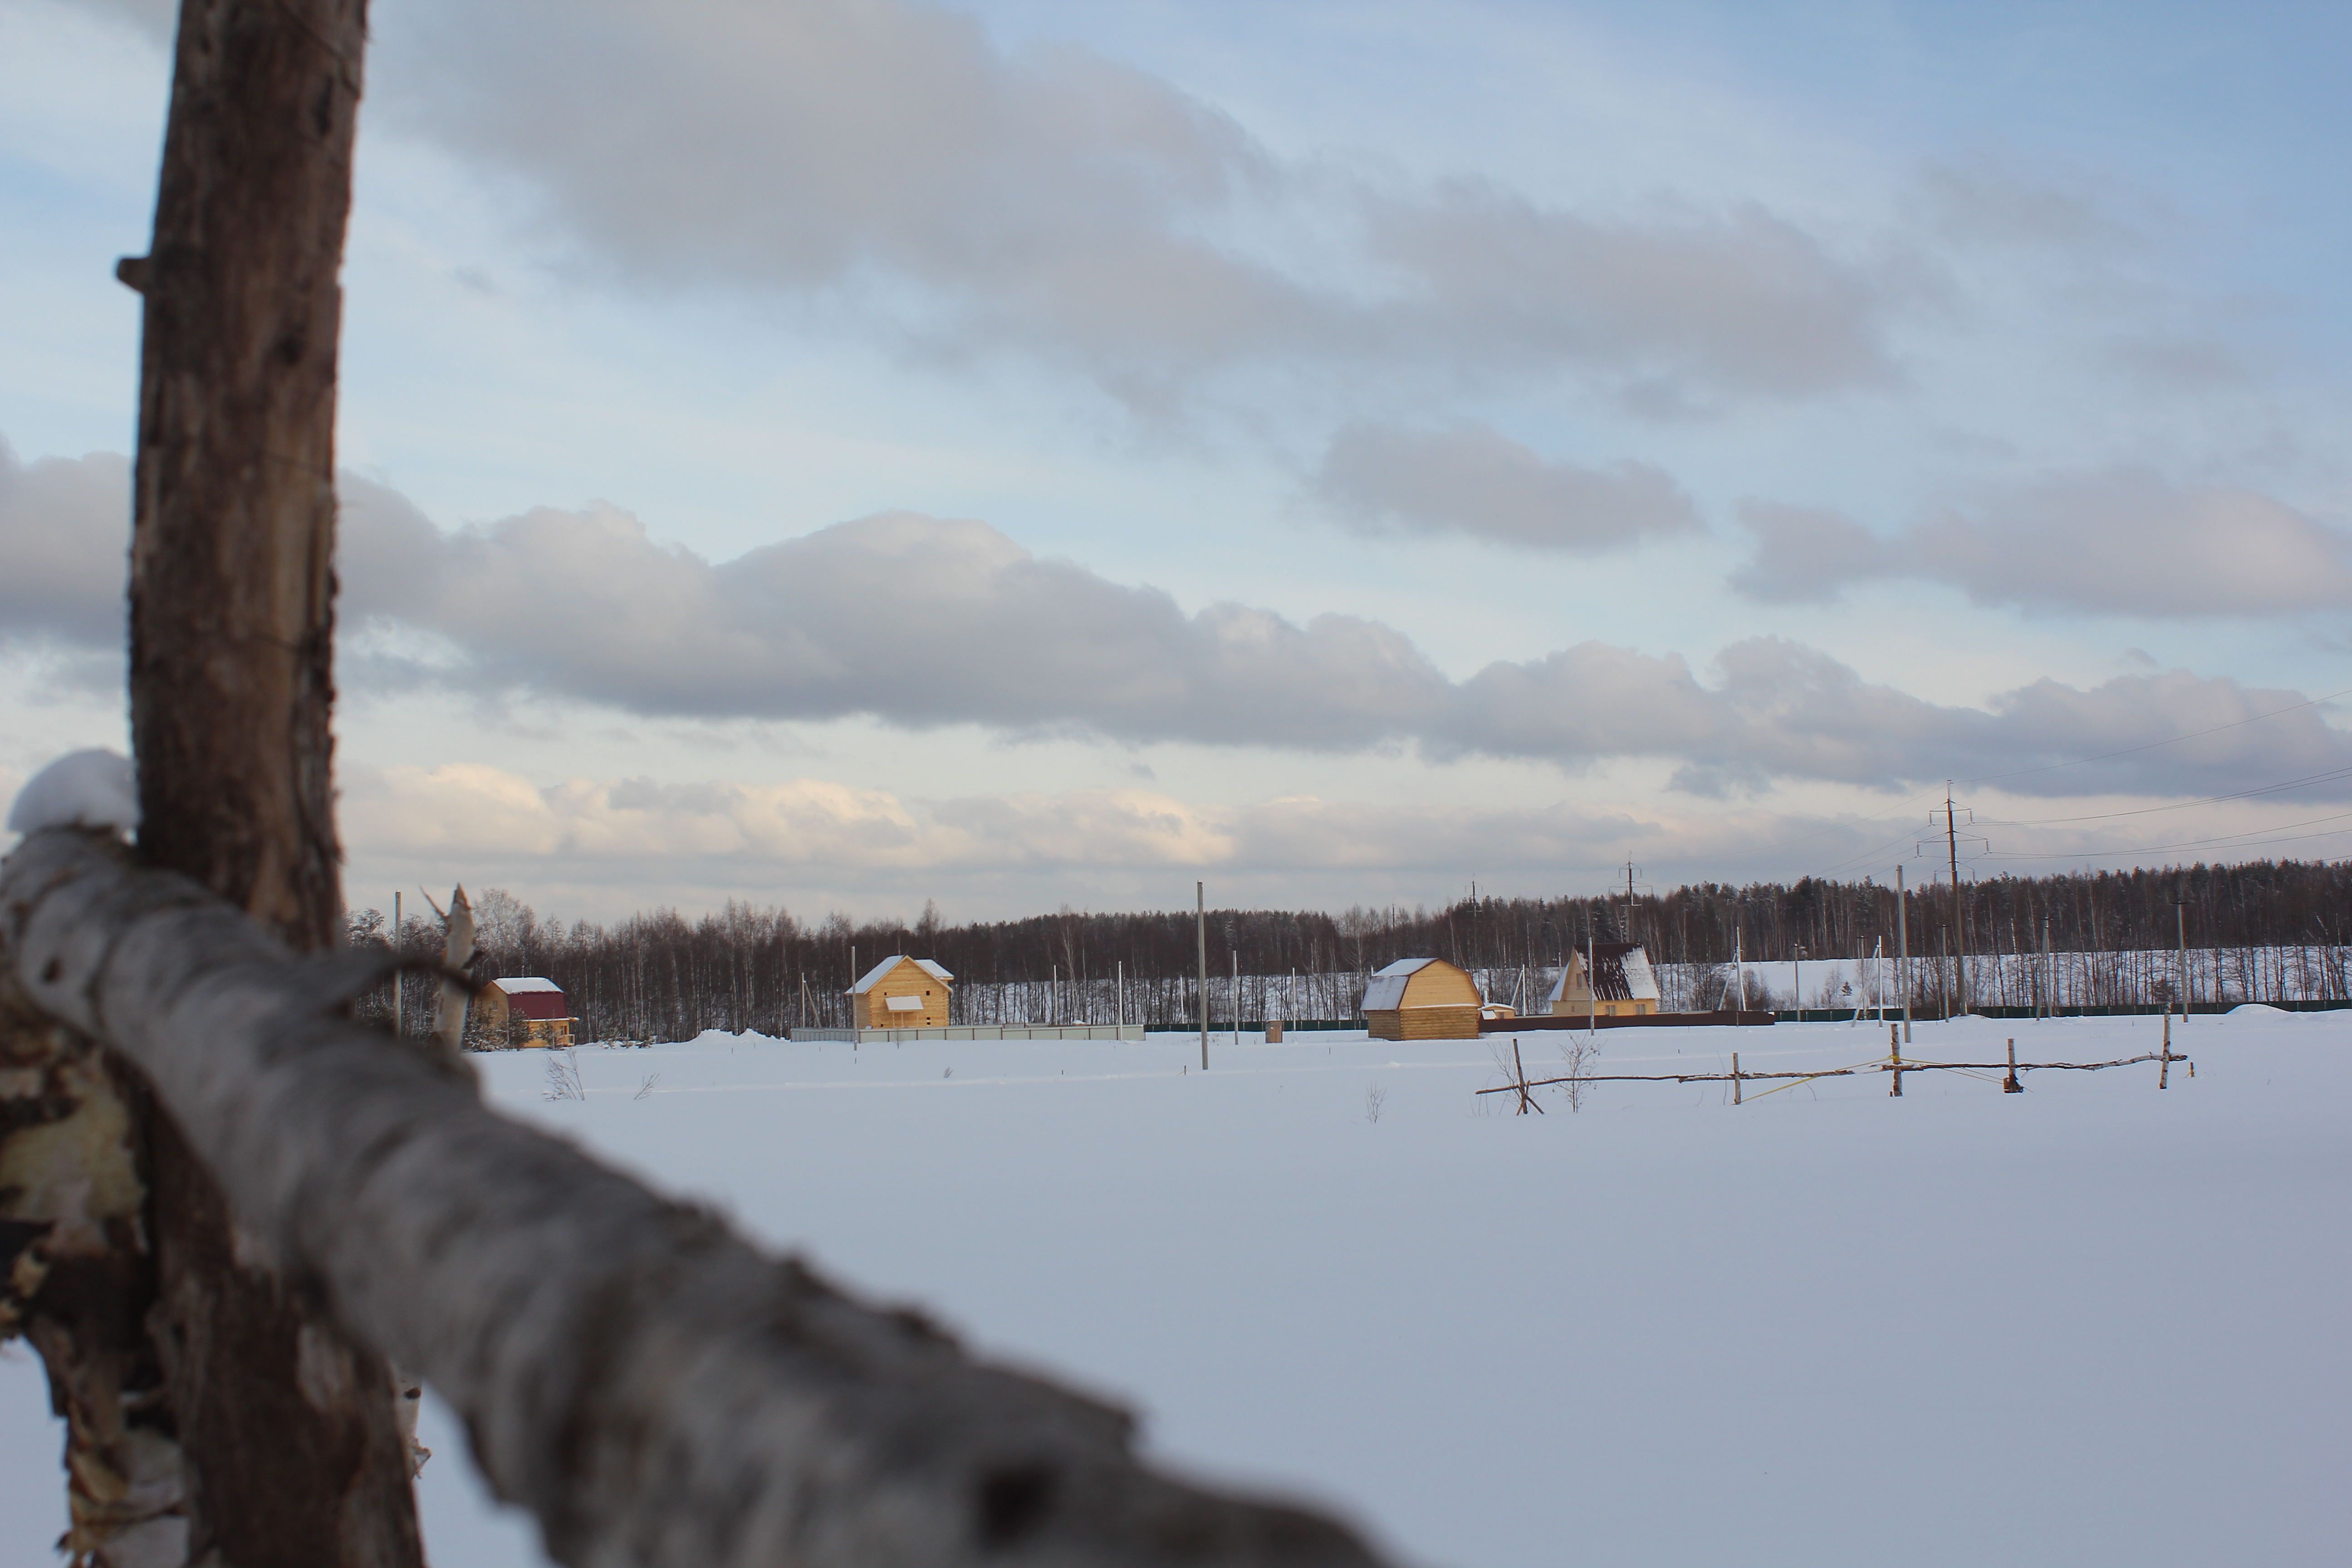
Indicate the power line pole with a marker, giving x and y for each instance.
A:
(1952, 851)
(1201, 929)
(2180, 967)
(1902, 942)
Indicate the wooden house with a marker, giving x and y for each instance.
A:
(901, 992)
(1422, 999)
(1622, 984)
(527, 1009)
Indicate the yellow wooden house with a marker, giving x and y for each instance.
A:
(1422, 999)
(1621, 984)
(901, 992)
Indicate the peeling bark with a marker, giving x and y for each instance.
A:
(78, 1281)
(655, 1389)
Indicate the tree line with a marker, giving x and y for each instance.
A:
(662, 975)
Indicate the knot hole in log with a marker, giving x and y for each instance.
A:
(1012, 1504)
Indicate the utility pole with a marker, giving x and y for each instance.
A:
(1952, 851)
(1902, 942)
(399, 1014)
(1201, 929)
(2180, 966)
(2048, 1002)
(1629, 900)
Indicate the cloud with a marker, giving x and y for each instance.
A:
(2120, 540)
(65, 535)
(1476, 481)
(1986, 203)
(924, 621)
(605, 847)
(1057, 204)
(461, 812)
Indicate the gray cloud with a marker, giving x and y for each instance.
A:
(64, 536)
(1067, 207)
(1472, 480)
(2113, 541)
(1985, 203)
(923, 621)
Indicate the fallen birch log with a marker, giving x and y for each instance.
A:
(655, 1389)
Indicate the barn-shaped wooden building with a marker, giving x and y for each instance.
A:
(901, 992)
(1422, 999)
(528, 1009)
(1622, 984)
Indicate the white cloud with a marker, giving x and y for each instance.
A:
(2118, 541)
(458, 813)
(600, 849)
(1472, 481)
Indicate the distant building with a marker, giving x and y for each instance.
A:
(527, 1009)
(901, 992)
(1622, 984)
(1422, 999)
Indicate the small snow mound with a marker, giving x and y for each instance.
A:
(2260, 1008)
(81, 789)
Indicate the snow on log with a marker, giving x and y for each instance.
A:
(648, 1384)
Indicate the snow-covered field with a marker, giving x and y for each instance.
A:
(2091, 1323)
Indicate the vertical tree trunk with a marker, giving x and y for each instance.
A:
(287, 1430)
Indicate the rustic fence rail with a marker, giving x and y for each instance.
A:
(1893, 1063)
(649, 1384)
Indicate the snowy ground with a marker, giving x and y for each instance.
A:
(2093, 1323)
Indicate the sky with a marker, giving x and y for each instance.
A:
(852, 453)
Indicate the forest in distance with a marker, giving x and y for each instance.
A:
(661, 975)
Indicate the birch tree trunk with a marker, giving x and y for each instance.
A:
(658, 1391)
(286, 1429)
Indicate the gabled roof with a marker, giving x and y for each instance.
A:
(1387, 988)
(516, 984)
(893, 962)
(1621, 972)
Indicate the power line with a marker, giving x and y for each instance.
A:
(2185, 844)
(2177, 805)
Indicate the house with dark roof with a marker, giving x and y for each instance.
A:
(1620, 983)
(526, 1010)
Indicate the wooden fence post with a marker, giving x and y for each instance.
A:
(1894, 1046)
(2164, 1065)
(2010, 1084)
(288, 1428)
(1734, 1078)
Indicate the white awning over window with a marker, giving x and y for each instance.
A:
(904, 1004)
